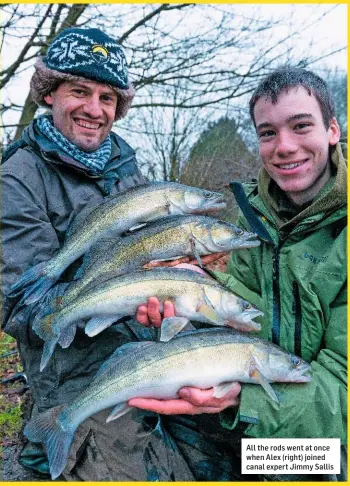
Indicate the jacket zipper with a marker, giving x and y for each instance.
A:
(297, 319)
(276, 305)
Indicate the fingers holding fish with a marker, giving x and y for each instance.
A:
(206, 260)
(149, 314)
(191, 401)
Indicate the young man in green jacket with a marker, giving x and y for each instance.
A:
(297, 277)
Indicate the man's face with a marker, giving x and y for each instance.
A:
(83, 112)
(294, 143)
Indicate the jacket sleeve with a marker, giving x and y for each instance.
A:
(314, 409)
(28, 238)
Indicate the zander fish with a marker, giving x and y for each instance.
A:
(166, 239)
(114, 216)
(206, 358)
(195, 297)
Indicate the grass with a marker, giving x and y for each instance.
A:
(11, 421)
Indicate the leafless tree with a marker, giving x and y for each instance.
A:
(182, 58)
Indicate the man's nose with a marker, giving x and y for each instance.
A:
(93, 107)
(286, 143)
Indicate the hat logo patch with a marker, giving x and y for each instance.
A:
(100, 53)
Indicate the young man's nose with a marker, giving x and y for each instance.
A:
(93, 107)
(286, 144)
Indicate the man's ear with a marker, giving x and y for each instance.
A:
(48, 98)
(334, 132)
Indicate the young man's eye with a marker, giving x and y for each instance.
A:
(302, 126)
(266, 134)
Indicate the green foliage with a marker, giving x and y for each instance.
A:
(219, 156)
(10, 419)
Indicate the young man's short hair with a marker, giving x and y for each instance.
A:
(282, 79)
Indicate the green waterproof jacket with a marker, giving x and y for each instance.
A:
(298, 279)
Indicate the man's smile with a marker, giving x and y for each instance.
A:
(291, 165)
(87, 124)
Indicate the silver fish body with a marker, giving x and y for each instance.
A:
(215, 357)
(166, 239)
(195, 298)
(116, 215)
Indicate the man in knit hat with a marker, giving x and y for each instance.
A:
(64, 161)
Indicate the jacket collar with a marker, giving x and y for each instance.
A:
(331, 197)
(51, 152)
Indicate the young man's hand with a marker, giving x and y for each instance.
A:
(192, 401)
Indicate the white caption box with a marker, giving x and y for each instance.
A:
(290, 456)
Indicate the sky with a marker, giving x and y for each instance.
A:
(329, 32)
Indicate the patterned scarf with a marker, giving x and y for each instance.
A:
(95, 161)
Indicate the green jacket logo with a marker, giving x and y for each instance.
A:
(315, 259)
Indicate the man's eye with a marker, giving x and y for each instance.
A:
(302, 126)
(107, 98)
(79, 92)
(266, 134)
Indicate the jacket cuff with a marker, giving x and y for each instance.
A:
(246, 414)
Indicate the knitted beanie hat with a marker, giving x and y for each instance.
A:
(79, 54)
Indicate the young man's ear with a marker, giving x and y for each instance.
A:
(334, 132)
(48, 99)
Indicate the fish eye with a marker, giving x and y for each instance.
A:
(296, 361)
(239, 232)
(207, 194)
(246, 305)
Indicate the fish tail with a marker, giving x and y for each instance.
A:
(47, 428)
(34, 282)
(49, 348)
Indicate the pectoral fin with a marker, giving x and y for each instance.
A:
(172, 326)
(209, 313)
(195, 252)
(256, 374)
(67, 336)
(99, 324)
(222, 389)
(118, 411)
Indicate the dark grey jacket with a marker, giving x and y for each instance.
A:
(42, 191)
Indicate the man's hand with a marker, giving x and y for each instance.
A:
(192, 401)
(206, 260)
(149, 314)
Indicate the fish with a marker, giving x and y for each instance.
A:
(207, 358)
(116, 215)
(166, 239)
(196, 297)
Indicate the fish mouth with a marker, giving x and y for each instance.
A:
(249, 240)
(216, 204)
(301, 374)
(251, 314)
(245, 321)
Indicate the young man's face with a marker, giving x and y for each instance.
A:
(294, 143)
(83, 111)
